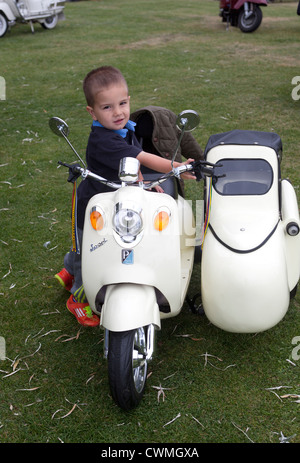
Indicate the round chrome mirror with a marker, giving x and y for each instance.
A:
(187, 120)
(59, 127)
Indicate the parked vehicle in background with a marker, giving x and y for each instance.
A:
(47, 13)
(239, 13)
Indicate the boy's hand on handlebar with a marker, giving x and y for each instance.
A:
(159, 189)
(188, 175)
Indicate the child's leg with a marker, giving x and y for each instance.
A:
(77, 303)
(70, 276)
(72, 263)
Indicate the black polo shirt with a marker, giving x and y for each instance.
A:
(104, 151)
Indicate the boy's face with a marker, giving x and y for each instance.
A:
(111, 107)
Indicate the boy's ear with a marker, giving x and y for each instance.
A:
(91, 112)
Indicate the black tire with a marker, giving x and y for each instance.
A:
(127, 373)
(50, 22)
(3, 25)
(253, 22)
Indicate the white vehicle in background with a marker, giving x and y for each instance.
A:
(45, 12)
(250, 263)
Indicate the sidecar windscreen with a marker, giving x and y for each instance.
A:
(243, 177)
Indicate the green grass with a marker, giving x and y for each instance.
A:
(173, 54)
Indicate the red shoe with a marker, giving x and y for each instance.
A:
(82, 312)
(65, 279)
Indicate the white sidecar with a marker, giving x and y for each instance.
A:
(251, 250)
(45, 12)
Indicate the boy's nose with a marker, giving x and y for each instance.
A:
(117, 111)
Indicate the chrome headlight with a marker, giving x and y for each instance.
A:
(127, 221)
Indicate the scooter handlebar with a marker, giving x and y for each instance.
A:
(200, 168)
(75, 171)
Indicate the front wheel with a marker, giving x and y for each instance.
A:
(50, 22)
(3, 25)
(127, 366)
(250, 22)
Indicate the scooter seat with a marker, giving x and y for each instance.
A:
(169, 186)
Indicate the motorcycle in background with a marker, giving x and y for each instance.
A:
(239, 13)
(46, 12)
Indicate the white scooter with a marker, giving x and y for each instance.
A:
(45, 12)
(137, 259)
(250, 264)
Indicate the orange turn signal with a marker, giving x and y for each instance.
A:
(97, 220)
(161, 220)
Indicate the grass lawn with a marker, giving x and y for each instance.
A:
(53, 383)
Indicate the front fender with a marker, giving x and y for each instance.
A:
(4, 8)
(128, 306)
(240, 3)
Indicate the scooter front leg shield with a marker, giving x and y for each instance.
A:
(128, 306)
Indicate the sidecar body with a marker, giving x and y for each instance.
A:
(250, 263)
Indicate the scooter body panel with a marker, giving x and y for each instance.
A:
(158, 259)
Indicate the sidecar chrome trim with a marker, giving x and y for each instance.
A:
(243, 251)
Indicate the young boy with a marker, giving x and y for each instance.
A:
(111, 139)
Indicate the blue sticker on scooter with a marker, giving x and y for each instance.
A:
(127, 256)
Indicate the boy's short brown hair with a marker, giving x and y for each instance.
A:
(101, 78)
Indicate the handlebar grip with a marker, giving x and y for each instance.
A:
(202, 170)
(207, 171)
(74, 171)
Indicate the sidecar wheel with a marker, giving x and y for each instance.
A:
(3, 25)
(127, 366)
(251, 23)
(50, 22)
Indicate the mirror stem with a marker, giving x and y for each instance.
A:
(184, 122)
(71, 146)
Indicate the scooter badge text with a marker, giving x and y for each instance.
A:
(127, 256)
(98, 245)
